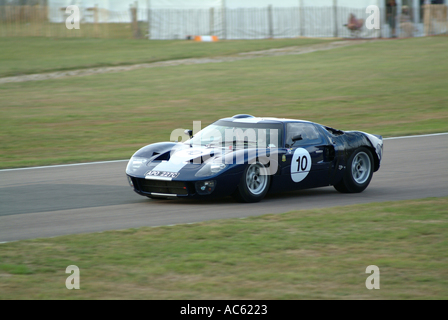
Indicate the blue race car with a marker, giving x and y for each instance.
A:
(247, 157)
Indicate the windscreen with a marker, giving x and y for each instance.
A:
(226, 133)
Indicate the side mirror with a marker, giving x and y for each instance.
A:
(189, 133)
(297, 138)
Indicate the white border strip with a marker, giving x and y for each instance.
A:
(419, 136)
(65, 165)
(114, 161)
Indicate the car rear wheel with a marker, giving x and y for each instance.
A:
(358, 173)
(254, 184)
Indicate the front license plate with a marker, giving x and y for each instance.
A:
(164, 174)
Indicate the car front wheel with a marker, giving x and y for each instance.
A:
(358, 173)
(254, 184)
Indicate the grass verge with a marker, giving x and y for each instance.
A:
(310, 254)
(390, 88)
(36, 55)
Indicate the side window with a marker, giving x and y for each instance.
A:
(269, 138)
(308, 131)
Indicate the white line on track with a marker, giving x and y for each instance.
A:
(419, 136)
(64, 165)
(104, 162)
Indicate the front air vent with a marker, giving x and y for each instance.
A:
(167, 187)
(164, 156)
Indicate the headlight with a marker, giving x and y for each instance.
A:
(210, 169)
(135, 163)
(130, 182)
(205, 187)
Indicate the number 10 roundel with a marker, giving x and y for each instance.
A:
(300, 164)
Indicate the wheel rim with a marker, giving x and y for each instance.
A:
(361, 167)
(256, 179)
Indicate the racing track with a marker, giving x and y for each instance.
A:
(52, 201)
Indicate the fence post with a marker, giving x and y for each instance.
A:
(271, 28)
(107, 22)
(16, 20)
(34, 20)
(6, 21)
(42, 19)
(148, 7)
(10, 21)
(382, 18)
(24, 20)
(427, 19)
(335, 17)
(47, 14)
(212, 21)
(302, 19)
(398, 17)
(19, 20)
(60, 32)
(134, 24)
(224, 17)
(3, 20)
(95, 21)
(3, 17)
(131, 8)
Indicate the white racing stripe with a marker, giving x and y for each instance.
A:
(114, 161)
(180, 159)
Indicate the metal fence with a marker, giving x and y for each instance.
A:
(271, 22)
(242, 23)
(255, 23)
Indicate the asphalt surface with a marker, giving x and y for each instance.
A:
(47, 202)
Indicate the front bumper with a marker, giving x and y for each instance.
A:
(223, 186)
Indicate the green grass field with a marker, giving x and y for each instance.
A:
(309, 254)
(34, 55)
(386, 87)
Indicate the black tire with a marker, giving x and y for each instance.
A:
(253, 185)
(358, 174)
